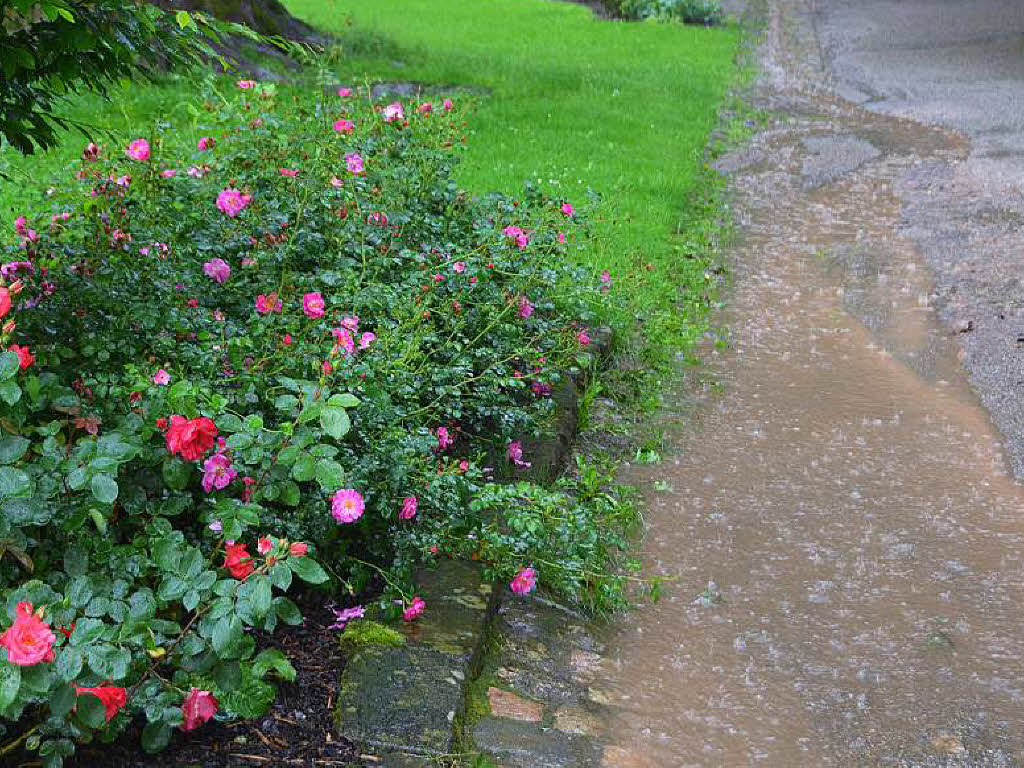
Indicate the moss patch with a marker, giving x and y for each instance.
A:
(359, 634)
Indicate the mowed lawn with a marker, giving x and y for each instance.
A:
(622, 108)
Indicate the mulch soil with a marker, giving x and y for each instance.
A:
(297, 731)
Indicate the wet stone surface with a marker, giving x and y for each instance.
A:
(543, 710)
(404, 701)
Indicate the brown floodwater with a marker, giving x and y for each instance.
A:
(838, 482)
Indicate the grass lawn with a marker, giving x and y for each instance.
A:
(623, 108)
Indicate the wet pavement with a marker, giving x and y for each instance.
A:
(837, 479)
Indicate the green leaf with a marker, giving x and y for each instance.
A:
(343, 400)
(288, 611)
(184, 19)
(10, 364)
(26, 512)
(62, 700)
(79, 592)
(335, 422)
(281, 576)
(14, 482)
(155, 736)
(104, 489)
(290, 493)
(86, 631)
(330, 474)
(109, 661)
(286, 402)
(176, 473)
(68, 664)
(228, 675)
(310, 412)
(260, 597)
(12, 448)
(303, 468)
(240, 440)
(89, 709)
(271, 659)
(10, 682)
(254, 423)
(10, 392)
(226, 634)
(307, 569)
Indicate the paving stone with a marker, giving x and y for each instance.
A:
(621, 757)
(401, 699)
(517, 744)
(577, 720)
(406, 699)
(507, 704)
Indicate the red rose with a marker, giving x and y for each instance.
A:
(238, 561)
(5, 301)
(198, 707)
(298, 549)
(26, 357)
(190, 438)
(114, 697)
(161, 423)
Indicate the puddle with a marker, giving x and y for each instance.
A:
(842, 488)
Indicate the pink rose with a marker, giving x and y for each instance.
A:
(525, 308)
(343, 339)
(217, 270)
(231, 202)
(567, 209)
(415, 609)
(217, 473)
(246, 85)
(161, 378)
(515, 454)
(138, 149)
(29, 639)
(267, 303)
(206, 142)
(393, 112)
(367, 339)
(524, 582)
(448, 105)
(347, 505)
(298, 549)
(583, 338)
(344, 93)
(313, 304)
(344, 126)
(409, 504)
(354, 163)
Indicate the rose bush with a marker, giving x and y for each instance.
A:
(230, 361)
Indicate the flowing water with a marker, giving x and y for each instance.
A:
(840, 485)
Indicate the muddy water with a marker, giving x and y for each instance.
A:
(840, 485)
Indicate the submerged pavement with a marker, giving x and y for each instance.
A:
(838, 514)
(959, 65)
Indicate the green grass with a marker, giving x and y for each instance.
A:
(572, 102)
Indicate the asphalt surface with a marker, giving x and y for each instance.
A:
(957, 64)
